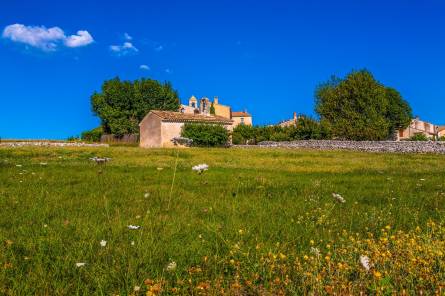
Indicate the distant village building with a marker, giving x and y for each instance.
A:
(418, 126)
(289, 122)
(159, 128)
(241, 118)
(441, 131)
(204, 106)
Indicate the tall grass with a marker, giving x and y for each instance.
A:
(219, 227)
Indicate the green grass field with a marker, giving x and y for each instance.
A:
(252, 224)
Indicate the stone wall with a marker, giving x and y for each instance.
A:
(368, 146)
(50, 144)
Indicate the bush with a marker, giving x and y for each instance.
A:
(243, 134)
(306, 129)
(205, 135)
(73, 139)
(419, 137)
(441, 138)
(93, 135)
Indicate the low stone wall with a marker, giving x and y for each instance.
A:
(368, 146)
(50, 144)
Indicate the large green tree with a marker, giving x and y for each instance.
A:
(359, 107)
(121, 105)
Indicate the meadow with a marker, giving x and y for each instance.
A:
(257, 222)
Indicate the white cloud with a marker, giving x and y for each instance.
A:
(159, 48)
(124, 49)
(46, 39)
(168, 71)
(81, 39)
(127, 36)
(144, 67)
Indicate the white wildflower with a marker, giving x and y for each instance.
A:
(422, 179)
(132, 243)
(136, 288)
(315, 251)
(171, 266)
(338, 198)
(18, 165)
(134, 227)
(43, 163)
(364, 260)
(100, 160)
(45, 225)
(103, 243)
(146, 195)
(200, 168)
(80, 264)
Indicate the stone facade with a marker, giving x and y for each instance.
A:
(418, 126)
(241, 118)
(289, 122)
(158, 128)
(204, 105)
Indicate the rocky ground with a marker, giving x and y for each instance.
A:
(368, 146)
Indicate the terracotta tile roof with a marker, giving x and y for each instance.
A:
(187, 117)
(240, 114)
(441, 128)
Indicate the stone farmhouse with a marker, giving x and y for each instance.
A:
(418, 126)
(159, 128)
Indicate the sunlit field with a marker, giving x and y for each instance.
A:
(257, 222)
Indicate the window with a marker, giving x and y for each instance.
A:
(193, 105)
(242, 120)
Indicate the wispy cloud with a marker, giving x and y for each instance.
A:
(144, 67)
(127, 36)
(125, 49)
(46, 39)
(159, 48)
(168, 71)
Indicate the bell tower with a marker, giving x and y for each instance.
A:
(193, 102)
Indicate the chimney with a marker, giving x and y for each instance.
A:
(215, 100)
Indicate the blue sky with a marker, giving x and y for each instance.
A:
(263, 56)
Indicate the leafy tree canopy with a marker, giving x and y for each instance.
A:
(121, 105)
(361, 108)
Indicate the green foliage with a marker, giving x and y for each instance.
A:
(92, 135)
(212, 109)
(243, 134)
(205, 135)
(441, 138)
(399, 112)
(121, 105)
(306, 129)
(361, 108)
(73, 139)
(419, 137)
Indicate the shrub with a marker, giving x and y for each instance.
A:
(419, 137)
(441, 138)
(306, 128)
(243, 134)
(73, 139)
(205, 135)
(93, 135)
